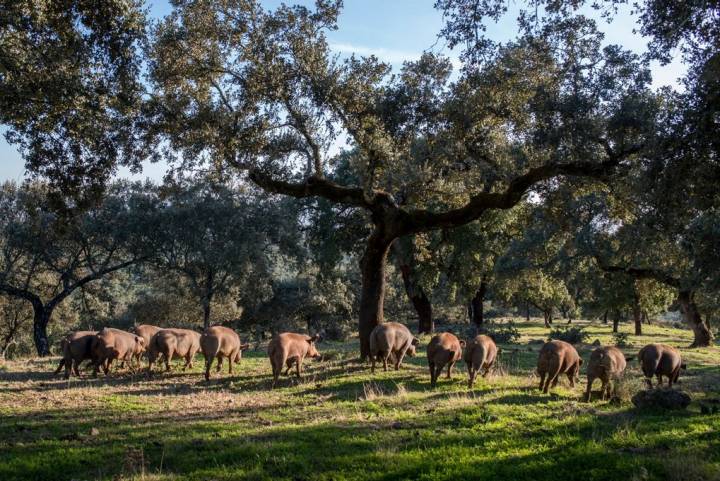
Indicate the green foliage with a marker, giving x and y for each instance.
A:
(620, 339)
(573, 335)
(505, 333)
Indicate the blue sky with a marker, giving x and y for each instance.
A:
(394, 31)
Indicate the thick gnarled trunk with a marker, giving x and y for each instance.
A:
(701, 329)
(372, 295)
(41, 319)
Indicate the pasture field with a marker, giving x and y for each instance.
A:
(342, 422)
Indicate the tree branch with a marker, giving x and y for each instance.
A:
(640, 273)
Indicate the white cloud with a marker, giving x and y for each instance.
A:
(391, 56)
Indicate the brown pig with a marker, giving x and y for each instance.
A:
(110, 344)
(555, 358)
(221, 342)
(660, 360)
(146, 331)
(76, 347)
(444, 349)
(183, 343)
(391, 338)
(607, 364)
(289, 348)
(480, 354)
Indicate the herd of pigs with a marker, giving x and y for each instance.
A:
(389, 342)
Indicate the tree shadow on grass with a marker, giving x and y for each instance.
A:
(453, 444)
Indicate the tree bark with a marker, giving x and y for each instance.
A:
(419, 300)
(616, 321)
(478, 311)
(701, 329)
(372, 295)
(207, 299)
(605, 317)
(527, 311)
(547, 315)
(637, 313)
(41, 319)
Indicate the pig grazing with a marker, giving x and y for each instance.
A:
(480, 354)
(289, 348)
(391, 338)
(606, 364)
(444, 349)
(220, 342)
(660, 360)
(184, 343)
(146, 331)
(555, 358)
(76, 347)
(110, 344)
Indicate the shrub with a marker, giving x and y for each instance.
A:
(573, 335)
(501, 333)
(620, 339)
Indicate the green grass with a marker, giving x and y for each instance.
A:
(341, 422)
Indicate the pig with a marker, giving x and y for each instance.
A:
(391, 338)
(289, 348)
(557, 357)
(444, 349)
(110, 344)
(146, 331)
(221, 342)
(171, 343)
(607, 364)
(76, 347)
(660, 360)
(480, 355)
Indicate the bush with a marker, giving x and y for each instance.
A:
(501, 333)
(573, 335)
(620, 339)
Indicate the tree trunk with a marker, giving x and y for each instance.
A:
(605, 317)
(478, 312)
(637, 314)
(646, 318)
(701, 330)
(207, 298)
(616, 321)
(527, 311)
(372, 293)
(41, 319)
(547, 315)
(419, 300)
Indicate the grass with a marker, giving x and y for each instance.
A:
(341, 422)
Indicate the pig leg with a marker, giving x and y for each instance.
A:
(76, 367)
(385, 360)
(298, 366)
(449, 369)
(68, 368)
(168, 357)
(399, 356)
(373, 358)
(230, 363)
(676, 375)
(208, 365)
(588, 393)
(659, 380)
(542, 380)
(431, 365)
(60, 366)
(219, 363)
(472, 372)
(553, 374)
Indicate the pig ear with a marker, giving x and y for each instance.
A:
(415, 341)
(462, 343)
(314, 338)
(581, 362)
(244, 346)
